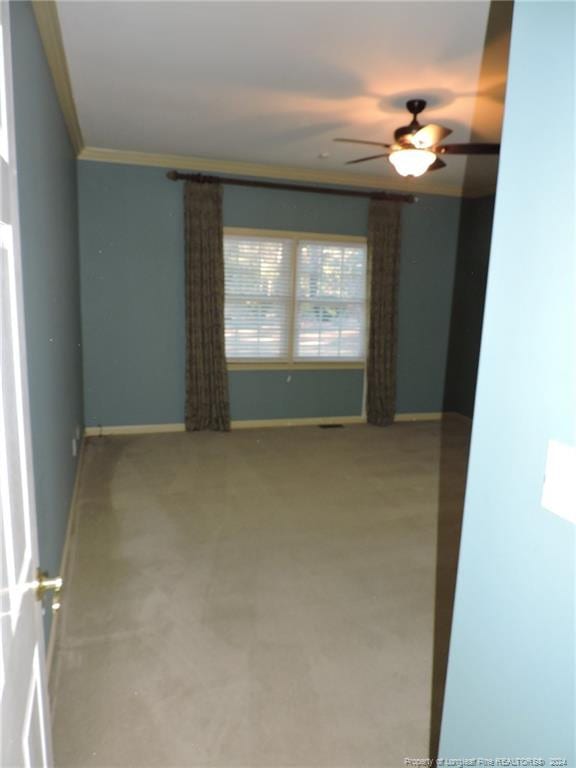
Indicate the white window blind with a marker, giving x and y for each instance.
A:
(290, 299)
(330, 301)
(258, 275)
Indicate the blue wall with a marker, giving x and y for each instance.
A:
(510, 689)
(296, 394)
(49, 236)
(131, 242)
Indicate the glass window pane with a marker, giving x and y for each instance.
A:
(257, 266)
(331, 271)
(256, 328)
(258, 280)
(329, 316)
(330, 330)
(331, 293)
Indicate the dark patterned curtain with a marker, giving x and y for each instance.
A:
(384, 261)
(207, 402)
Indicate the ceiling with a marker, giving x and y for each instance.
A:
(274, 82)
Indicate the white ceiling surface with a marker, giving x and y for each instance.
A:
(275, 82)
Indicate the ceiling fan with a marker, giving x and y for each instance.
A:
(417, 148)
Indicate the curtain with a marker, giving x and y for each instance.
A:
(384, 261)
(207, 401)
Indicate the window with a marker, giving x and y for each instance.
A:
(294, 298)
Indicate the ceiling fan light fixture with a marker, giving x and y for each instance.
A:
(412, 162)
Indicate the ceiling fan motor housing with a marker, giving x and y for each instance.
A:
(414, 106)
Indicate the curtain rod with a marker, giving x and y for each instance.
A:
(399, 198)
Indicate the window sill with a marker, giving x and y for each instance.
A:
(317, 365)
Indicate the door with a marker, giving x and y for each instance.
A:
(25, 734)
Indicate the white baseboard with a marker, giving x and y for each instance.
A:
(65, 564)
(432, 416)
(424, 416)
(303, 422)
(148, 429)
(133, 429)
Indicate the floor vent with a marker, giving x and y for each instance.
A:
(331, 426)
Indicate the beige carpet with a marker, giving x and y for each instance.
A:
(259, 598)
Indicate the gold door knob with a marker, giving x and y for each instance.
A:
(45, 584)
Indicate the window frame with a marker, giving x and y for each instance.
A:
(247, 364)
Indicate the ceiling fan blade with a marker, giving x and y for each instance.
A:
(360, 141)
(436, 165)
(468, 149)
(429, 136)
(363, 159)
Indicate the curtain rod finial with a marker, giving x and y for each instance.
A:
(172, 175)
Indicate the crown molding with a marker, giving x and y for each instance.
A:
(48, 23)
(257, 170)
